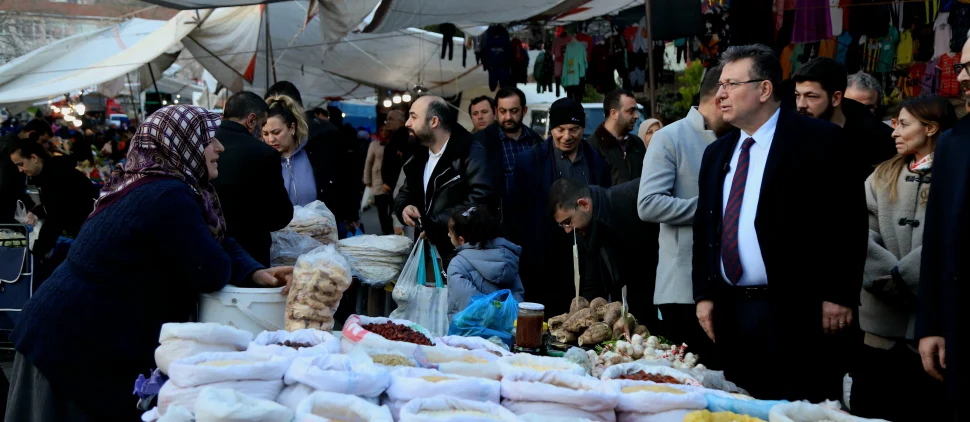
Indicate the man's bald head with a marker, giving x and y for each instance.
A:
(395, 120)
(434, 107)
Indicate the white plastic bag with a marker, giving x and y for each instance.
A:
(470, 363)
(671, 416)
(413, 383)
(617, 371)
(422, 297)
(181, 340)
(319, 281)
(441, 409)
(321, 342)
(314, 220)
(376, 260)
(354, 334)
(355, 374)
(177, 414)
(227, 405)
(292, 395)
(535, 417)
(209, 368)
(475, 343)
(688, 398)
(171, 396)
(21, 216)
(557, 411)
(321, 407)
(807, 412)
(522, 363)
(367, 200)
(288, 246)
(577, 391)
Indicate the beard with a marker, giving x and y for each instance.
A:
(510, 126)
(627, 125)
(825, 115)
(425, 138)
(964, 89)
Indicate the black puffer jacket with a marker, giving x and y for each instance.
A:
(461, 178)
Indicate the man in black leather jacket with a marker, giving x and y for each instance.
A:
(447, 171)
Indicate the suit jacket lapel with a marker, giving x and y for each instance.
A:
(723, 162)
(781, 145)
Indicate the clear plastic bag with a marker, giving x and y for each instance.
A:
(21, 216)
(288, 246)
(314, 220)
(319, 281)
(487, 315)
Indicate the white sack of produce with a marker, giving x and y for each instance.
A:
(415, 383)
(323, 407)
(475, 343)
(376, 260)
(345, 374)
(176, 414)
(807, 412)
(616, 371)
(558, 411)
(405, 335)
(209, 368)
(288, 246)
(576, 391)
(526, 364)
(649, 397)
(171, 396)
(292, 395)
(227, 405)
(470, 363)
(535, 417)
(319, 281)
(448, 409)
(307, 342)
(385, 358)
(181, 340)
(314, 220)
(671, 416)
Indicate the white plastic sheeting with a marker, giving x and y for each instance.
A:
(596, 8)
(90, 59)
(393, 15)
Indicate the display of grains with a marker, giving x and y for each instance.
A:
(398, 332)
(294, 344)
(657, 378)
(392, 360)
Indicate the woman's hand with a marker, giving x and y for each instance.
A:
(274, 277)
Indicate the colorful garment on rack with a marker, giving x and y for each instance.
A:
(871, 59)
(943, 32)
(904, 54)
(559, 51)
(911, 84)
(812, 21)
(575, 64)
(930, 82)
(887, 51)
(842, 46)
(786, 61)
(949, 86)
(827, 48)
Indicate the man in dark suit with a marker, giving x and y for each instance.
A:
(944, 266)
(450, 170)
(776, 275)
(250, 182)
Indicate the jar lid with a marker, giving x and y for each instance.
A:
(530, 306)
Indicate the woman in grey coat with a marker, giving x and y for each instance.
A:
(889, 379)
(484, 262)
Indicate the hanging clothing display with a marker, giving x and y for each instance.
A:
(912, 83)
(640, 44)
(872, 50)
(842, 46)
(448, 32)
(942, 35)
(835, 17)
(904, 53)
(812, 21)
(588, 42)
(959, 21)
(930, 82)
(869, 18)
(497, 56)
(520, 62)
(887, 51)
(575, 64)
(826, 48)
(786, 61)
(949, 86)
(601, 69)
(543, 72)
(671, 20)
(559, 51)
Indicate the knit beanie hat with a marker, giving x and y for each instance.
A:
(566, 111)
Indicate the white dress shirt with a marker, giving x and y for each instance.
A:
(432, 162)
(752, 263)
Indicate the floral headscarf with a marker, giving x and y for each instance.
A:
(170, 144)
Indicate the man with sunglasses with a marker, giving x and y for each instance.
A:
(820, 88)
(775, 269)
(545, 266)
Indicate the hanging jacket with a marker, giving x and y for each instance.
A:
(574, 63)
(480, 271)
(496, 49)
(520, 62)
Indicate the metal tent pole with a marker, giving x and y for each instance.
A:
(650, 88)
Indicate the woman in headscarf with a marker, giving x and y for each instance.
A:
(647, 129)
(155, 241)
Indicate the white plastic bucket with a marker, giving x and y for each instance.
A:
(253, 310)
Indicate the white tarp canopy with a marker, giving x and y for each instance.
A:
(597, 8)
(90, 59)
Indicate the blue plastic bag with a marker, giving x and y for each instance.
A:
(486, 316)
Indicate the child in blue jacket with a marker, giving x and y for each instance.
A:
(484, 262)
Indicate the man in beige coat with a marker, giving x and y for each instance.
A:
(668, 195)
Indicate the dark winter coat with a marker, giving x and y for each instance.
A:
(67, 198)
(625, 164)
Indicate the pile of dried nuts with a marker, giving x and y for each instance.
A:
(397, 332)
(657, 378)
(294, 344)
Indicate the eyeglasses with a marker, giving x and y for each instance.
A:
(960, 67)
(730, 86)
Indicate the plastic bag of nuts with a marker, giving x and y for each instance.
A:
(394, 334)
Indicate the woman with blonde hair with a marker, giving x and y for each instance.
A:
(890, 376)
